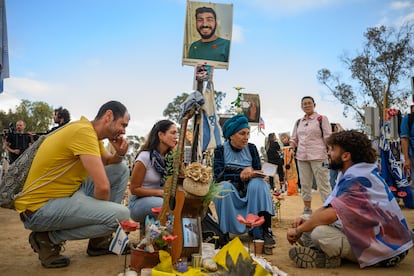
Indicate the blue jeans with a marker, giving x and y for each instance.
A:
(81, 216)
(333, 174)
(141, 207)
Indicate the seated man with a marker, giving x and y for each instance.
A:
(84, 185)
(237, 164)
(360, 221)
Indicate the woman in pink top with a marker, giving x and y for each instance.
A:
(309, 138)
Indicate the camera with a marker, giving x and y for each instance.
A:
(10, 130)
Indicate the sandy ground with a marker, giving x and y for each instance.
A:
(17, 257)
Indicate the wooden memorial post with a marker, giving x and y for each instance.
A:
(185, 207)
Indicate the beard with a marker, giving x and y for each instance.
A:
(336, 164)
(206, 36)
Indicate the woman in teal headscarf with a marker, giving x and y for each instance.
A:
(237, 166)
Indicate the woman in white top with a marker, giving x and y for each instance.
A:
(149, 172)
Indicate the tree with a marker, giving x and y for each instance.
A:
(36, 115)
(173, 109)
(384, 65)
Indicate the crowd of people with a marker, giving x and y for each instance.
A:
(360, 220)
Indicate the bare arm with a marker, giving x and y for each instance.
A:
(137, 177)
(8, 148)
(404, 148)
(95, 168)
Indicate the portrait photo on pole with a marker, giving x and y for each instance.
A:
(207, 34)
(251, 107)
(203, 72)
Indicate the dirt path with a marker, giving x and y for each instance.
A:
(17, 257)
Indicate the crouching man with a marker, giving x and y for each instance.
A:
(78, 186)
(360, 221)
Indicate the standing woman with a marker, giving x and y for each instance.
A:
(309, 137)
(273, 156)
(148, 174)
(237, 166)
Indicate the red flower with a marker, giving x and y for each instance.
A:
(215, 46)
(402, 194)
(129, 226)
(156, 210)
(251, 220)
(319, 118)
(392, 189)
(169, 238)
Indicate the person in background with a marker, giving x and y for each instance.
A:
(77, 186)
(272, 148)
(290, 167)
(237, 166)
(18, 141)
(407, 142)
(61, 117)
(308, 136)
(361, 220)
(149, 171)
(210, 46)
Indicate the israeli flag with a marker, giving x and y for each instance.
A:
(4, 48)
(119, 241)
(210, 130)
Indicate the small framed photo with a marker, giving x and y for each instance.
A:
(190, 232)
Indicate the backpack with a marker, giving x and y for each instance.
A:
(14, 178)
(320, 125)
(211, 231)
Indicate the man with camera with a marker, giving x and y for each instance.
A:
(61, 117)
(17, 141)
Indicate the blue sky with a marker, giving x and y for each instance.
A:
(81, 53)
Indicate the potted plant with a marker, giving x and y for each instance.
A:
(157, 237)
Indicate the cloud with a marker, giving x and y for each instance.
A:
(398, 13)
(24, 87)
(8, 101)
(237, 34)
(401, 5)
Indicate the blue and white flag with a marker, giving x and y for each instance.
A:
(119, 241)
(4, 48)
(210, 130)
(392, 172)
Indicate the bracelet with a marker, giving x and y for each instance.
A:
(120, 156)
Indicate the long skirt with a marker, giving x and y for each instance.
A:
(229, 205)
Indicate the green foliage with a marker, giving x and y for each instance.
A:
(169, 163)
(37, 116)
(173, 109)
(384, 65)
(236, 105)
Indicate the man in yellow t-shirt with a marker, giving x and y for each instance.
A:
(80, 195)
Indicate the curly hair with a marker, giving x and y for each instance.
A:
(356, 143)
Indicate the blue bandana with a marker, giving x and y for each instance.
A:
(234, 124)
